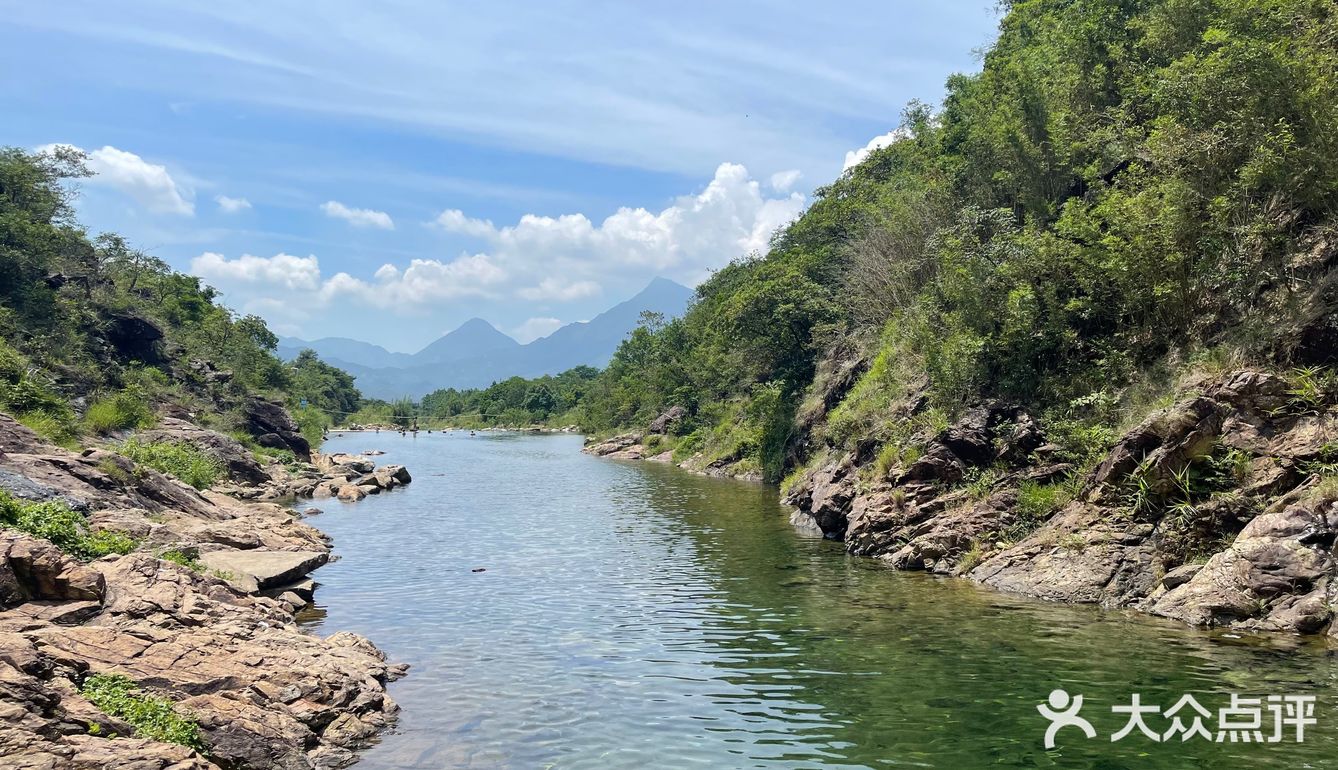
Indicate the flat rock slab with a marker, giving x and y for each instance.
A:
(258, 570)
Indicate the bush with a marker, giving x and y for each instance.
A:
(128, 408)
(152, 717)
(183, 559)
(65, 528)
(186, 462)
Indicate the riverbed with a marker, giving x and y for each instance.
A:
(559, 610)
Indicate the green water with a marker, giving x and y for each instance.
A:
(631, 615)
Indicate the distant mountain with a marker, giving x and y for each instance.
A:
(473, 338)
(346, 350)
(476, 354)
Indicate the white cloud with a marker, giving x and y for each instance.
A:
(731, 217)
(560, 290)
(455, 221)
(534, 328)
(149, 184)
(358, 217)
(232, 205)
(283, 271)
(856, 157)
(271, 279)
(783, 181)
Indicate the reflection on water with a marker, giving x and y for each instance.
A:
(632, 615)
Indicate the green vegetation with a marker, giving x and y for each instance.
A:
(185, 461)
(1125, 191)
(118, 329)
(127, 408)
(65, 528)
(514, 402)
(152, 717)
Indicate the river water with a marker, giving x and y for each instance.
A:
(632, 615)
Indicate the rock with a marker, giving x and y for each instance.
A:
(238, 461)
(389, 476)
(613, 445)
(25, 488)
(258, 570)
(18, 438)
(351, 494)
(134, 337)
(667, 421)
(273, 427)
(1180, 575)
(36, 570)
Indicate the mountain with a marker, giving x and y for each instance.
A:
(473, 338)
(476, 354)
(344, 349)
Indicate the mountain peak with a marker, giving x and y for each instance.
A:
(473, 337)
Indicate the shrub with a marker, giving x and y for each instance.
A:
(65, 528)
(186, 462)
(152, 717)
(128, 408)
(56, 426)
(183, 559)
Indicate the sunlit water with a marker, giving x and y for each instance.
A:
(632, 615)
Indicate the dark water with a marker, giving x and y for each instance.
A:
(635, 616)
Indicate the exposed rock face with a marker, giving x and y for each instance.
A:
(625, 447)
(265, 693)
(273, 427)
(665, 422)
(1204, 512)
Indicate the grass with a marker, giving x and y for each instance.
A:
(151, 717)
(971, 559)
(65, 528)
(123, 410)
(186, 462)
(183, 559)
(1035, 504)
(981, 483)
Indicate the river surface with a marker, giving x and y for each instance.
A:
(632, 615)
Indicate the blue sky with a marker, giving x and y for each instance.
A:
(385, 171)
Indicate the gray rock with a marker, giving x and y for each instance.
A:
(257, 570)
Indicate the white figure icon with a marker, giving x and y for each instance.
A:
(1063, 712)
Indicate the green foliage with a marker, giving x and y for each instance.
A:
(183, 559)
(152, 717)
(515, 401)
(64, 295)
(65, 528)
(125, 409)
(186, 462)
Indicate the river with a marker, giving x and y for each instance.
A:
(632, 615)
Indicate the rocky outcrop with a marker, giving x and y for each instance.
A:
(667, 421)
(1210, 511)
(205, 636)
(238, 462)
(273, 427)
(626, 446)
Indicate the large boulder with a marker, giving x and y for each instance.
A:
(257, 570)
(36, 570)
(133, 337)
(273, 427)
(666, 422)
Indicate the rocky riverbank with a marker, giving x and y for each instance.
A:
(1220, 509)
(199, 614)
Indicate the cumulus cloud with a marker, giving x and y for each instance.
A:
(279, 271)
(534, 328)
(232, 205)
(423, 281)
(731, 217)
(358, 217)
(455, 221)
(149, 184)
(783, 181)
(560, 290)
(856, 157)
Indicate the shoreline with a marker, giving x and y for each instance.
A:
(211, 630)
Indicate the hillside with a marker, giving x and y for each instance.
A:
(1073, 334)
